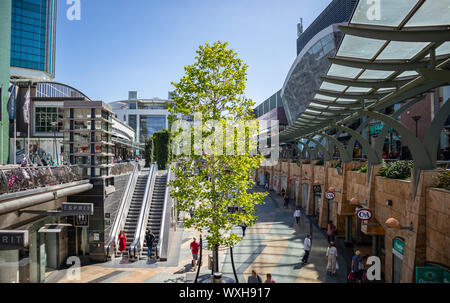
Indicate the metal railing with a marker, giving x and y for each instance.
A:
(163, 241)
(136, 247)
(113, 242)
(18, 179)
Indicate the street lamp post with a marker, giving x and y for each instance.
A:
(416, 118)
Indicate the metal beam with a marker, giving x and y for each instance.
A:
(436, 34)
(349, 95)
(343, 153)
(339, 104)
(372, 156)
(437, 75)
(397, 66)
(312, 155)
(420, 155)
(365, 82)
(379, 141)
(431, 140)
(326, 154)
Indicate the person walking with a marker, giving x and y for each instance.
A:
(307, 248)
(149, 239)
(244, 227)
(269, 279)
(23, 161)
(194, 250)
(254, 278)
(332, 259)
(357, 266)
(191, 212)
(331, 231)
(286, 200)
(297, 215)
(266, 186)
(122, 242)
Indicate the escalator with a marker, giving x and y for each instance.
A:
(135, 206)
(156, 211)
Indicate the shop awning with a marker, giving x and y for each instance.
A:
(53, 228)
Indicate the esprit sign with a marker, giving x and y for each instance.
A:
(78, 208)
(364, 214)
(329, 195)
(13, 239)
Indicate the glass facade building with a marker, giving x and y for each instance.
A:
(337, 11)
(304, 77)
(145, 116)
(33, 37)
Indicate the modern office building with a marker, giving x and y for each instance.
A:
(33, 39)
(272, 109)
(145, 116)
(336, 12)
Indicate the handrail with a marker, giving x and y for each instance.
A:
(137, 245)
(162, 246)
(121, 214)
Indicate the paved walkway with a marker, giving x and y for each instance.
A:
(273, 245)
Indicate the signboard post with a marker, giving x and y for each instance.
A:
(13, 239)
(364, 214)
(78, 208)
(329, 195)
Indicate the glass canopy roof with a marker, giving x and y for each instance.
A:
(371, 72)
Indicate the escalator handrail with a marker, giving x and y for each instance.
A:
(136, 246)
(113, 238)
(162, 232)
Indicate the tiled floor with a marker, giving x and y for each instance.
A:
(273, 245)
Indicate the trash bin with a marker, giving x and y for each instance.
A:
(217, 278)
(210, 261)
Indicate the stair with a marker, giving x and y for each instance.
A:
(156, 210)
(135, 207)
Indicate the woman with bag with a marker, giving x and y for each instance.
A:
(357, 266)
(332, 259)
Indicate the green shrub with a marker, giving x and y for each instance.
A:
(363, 169)
(338, 164)
(396, 170)
(443, 179)
(148, 152)
(320, 162)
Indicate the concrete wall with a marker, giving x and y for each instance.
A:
(438, 226)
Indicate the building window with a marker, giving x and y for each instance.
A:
(44, 118)
(132, 122)
(132, 105)
(149, 125)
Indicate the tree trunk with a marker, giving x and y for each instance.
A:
(232, 264)
(216, 258)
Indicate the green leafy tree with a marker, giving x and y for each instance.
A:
(148, 152)
(210, 180)
(161, 148)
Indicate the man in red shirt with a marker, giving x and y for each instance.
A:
(194, 249)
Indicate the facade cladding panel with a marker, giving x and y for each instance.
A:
(33, 28)
(304, 76)
(337, 11)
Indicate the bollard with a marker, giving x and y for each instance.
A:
(217, 278)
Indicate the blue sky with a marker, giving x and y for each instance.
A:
(144, 45)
